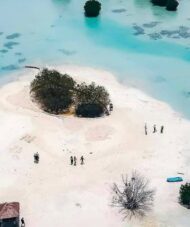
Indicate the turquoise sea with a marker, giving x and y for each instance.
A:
(145, 46)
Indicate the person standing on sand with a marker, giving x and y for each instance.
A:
(82, 160)
(162, 129)
(145, 129)
(36, 157)
(75, 161)
(154, 129)
(22, 222)
(71, 159)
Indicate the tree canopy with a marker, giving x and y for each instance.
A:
(92, 8)
(171, 5)
(159, 2)
(56, 93)
(91, 99)
(53, 90)
(184, 193)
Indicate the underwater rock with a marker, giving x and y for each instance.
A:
(67, 52)
(139, 30)
(18, 53)
(182, 32)
(13, 36)
(119, 10)
(151, 24)
(3, 51)
(155, 36)
(10, 45)
(186, 94)
(21, 60)
(9, 67)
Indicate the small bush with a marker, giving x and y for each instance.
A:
(91, 98)
(184, 193)
(89, 110)
(92, 8)
(159, 2)
(134, 198)
(172, 5)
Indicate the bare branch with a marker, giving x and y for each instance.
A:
(133, 197)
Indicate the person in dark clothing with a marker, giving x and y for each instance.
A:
(82, 160)
(75, 161)
(111, 107)
(154, 129)
(162, 129)
(22, 222)
(71, 159)
(145, 129)
(36, 157)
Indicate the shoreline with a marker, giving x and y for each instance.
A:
(111, 145)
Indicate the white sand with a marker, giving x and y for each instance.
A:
(53, 193)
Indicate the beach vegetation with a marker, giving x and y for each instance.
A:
(133, 197)
(184, 195)
(91, 100)
(92, 8)
(89, 110)
(171, 5)
(159, 2)
(53, 91)
(58, 93)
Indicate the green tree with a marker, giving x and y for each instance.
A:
(91, 99)
(172, 5)
(184, 194)
(92, 8)
(53, 91)
(159, 2)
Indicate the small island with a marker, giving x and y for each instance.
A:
(92, 8)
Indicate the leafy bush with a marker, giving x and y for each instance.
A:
(53, 91)
(172, 5)
(92, 8)
(185, 194)
(89, 110)
(159, 2)
(133, 198)
(91, 98)
(56, 93)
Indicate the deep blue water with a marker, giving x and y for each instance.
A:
(145, 46)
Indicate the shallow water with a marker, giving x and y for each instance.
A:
(145, 46)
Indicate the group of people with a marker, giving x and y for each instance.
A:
(154, 129)
(73, 160)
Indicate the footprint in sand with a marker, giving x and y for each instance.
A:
(27, 138)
